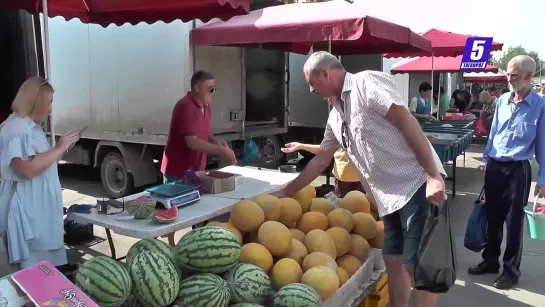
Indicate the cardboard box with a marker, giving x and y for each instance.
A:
(217, 182)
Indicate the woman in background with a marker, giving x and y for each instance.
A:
(31, 207)
(444, 102)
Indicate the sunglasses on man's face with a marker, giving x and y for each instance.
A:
(212, 90)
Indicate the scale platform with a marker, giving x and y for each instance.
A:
(174, 194)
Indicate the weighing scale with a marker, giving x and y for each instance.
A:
(174, 194)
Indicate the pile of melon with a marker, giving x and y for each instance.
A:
(203, 270)
(306, 240)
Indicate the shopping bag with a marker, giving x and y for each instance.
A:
(475, 236)
(436, 268)
(480, 129)
(251, 151)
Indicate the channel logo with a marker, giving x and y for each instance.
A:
(476, 53)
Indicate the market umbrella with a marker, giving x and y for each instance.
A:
(341, 27)
(106, 12)
(436, 64)
(443, 44)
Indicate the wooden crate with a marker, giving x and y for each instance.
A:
(379, 297)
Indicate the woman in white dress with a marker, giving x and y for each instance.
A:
(31, 215)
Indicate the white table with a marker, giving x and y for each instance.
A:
(208, 207)
(255, 182)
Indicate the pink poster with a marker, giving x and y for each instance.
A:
(46, 286)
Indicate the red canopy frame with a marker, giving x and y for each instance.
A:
(297, 27)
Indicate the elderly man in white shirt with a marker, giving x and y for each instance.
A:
(394, 159)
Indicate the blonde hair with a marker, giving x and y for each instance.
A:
(33, 92)
(484, 96)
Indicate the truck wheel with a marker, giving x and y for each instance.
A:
(114, 176)
(271, 155)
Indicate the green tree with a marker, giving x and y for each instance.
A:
(513, 52)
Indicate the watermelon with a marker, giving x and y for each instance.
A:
(105, 281)
(246, 305)
(141, 207)
(208, 249)
(204, 290)
(248, 284)
(165, 216)
(155, 279)
(297, 295)
(153, 245)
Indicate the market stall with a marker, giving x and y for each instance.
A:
(277, 246)
(450, 139)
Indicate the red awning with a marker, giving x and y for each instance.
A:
(295, 27)
(486, 77)
(444, 44)
(440, 64)
(105, 12)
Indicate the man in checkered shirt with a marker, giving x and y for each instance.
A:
(395, 161)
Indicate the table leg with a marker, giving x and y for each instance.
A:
(112, 247)
(454, 178)
(464, 159)
(111, 243)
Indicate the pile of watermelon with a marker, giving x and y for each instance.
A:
(203, 270)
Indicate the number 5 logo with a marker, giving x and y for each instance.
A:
(477, 50)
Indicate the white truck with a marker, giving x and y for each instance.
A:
(122, 83)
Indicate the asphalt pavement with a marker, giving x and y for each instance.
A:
(82, 185)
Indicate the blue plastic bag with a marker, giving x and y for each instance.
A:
(476, 226)
(251, 151)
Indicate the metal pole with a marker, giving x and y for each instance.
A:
(47, 64)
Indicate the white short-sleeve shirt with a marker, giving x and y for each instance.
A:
(387, 166)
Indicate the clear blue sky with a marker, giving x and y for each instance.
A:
(510, 22)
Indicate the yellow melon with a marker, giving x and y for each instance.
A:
(375, 215)
(377, 241)
(257, 254)
(247, 216)
(276, 237)
(324, 280)
(351, 264)
(297, 234)
(355, 201)
(234, 230)
(298, 251)
(311, 190)
(371, 202)
(312, 220)
(341, 218)
(286, 271)
(318, 240)
(322, 205)
(341, 237)
(359, 247)
(270, 206)
(290, 211)
(304, 199)
(365, 225)
(343, 276)
(214, 223)
(319, 259)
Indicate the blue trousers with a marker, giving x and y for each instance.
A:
(506, 187)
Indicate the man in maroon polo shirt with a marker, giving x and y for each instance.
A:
(190, 137)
